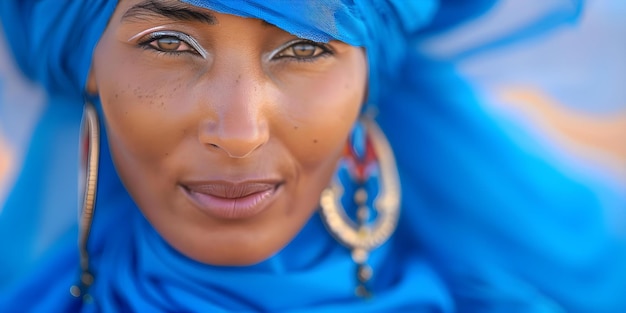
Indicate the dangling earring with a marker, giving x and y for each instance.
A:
(368, 172)
(87, 184)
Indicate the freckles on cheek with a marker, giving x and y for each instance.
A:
(320, 140)
(324, 114)
(138, 122)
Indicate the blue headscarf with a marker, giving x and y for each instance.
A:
(485, 226)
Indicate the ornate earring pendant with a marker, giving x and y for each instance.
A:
(89, 155)
(361, 206)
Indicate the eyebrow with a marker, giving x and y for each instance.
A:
(150, 9)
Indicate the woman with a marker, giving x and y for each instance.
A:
(226, 125)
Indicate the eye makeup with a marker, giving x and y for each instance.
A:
(144, 32)
(275, 54)
(155, 33)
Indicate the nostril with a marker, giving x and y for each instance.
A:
(235, 137)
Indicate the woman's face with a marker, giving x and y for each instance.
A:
(224, 129)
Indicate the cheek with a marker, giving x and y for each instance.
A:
(322, 113)
(137, 99)
(144, 129)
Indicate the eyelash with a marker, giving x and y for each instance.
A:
(326, 51)
(195, 48)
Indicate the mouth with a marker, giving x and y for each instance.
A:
(229, 200)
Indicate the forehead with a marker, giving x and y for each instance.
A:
(148, 9)
(317, 20)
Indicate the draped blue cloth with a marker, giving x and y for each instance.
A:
(485, 226)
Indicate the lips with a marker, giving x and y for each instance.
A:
(232, 200)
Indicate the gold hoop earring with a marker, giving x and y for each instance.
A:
(88, 181)
(368, 156)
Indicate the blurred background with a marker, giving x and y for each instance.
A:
(565, 88)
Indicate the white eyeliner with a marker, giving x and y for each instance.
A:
(286, 45)
(283, 47)
(149, 30)
(154, 33)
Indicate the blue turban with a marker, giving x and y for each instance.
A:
(485, 227)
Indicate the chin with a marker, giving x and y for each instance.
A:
(236, 255)
(244, 259)
(230, 245)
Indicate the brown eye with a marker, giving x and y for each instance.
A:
(168, 44)
(173, 43)
(304, 50)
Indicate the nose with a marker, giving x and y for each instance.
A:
(238, 125)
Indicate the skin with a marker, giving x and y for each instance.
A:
(253, 109)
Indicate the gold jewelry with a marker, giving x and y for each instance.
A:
(88, 180)
(364, 235)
